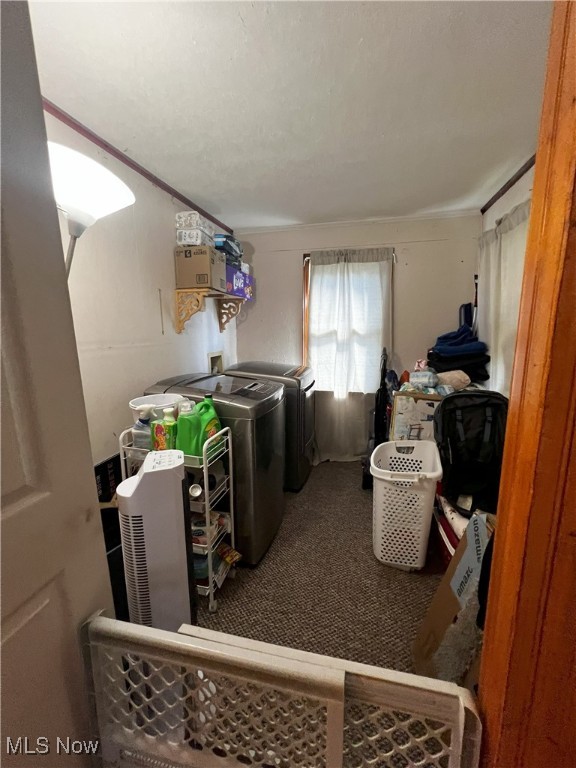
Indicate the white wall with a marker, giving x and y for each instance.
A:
(517, 194)
(119, 265)
(433, 276)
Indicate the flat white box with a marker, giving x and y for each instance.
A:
(412, 416)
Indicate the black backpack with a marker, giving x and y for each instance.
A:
(469, 428)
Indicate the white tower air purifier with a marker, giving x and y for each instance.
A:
(157, 543)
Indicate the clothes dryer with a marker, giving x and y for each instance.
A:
(299, 388)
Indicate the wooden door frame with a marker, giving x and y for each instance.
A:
(528, 672)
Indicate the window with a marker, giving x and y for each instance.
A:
(349, 318)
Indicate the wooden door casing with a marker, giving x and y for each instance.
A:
(528, 672)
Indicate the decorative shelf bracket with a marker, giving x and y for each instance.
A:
(227, 309)
(189, 301)
(187, 304)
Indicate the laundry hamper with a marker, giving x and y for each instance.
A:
(405, 474)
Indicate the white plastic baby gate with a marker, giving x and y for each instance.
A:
(207, 699)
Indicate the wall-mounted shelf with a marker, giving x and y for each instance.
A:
(188, 301)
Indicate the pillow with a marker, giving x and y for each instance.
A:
(457, 379)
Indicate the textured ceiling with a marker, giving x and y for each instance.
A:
(295, 112)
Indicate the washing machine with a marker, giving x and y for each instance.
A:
(299, 388)
(254, 411)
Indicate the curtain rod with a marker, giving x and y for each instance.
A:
(77, 126)
(509, 184)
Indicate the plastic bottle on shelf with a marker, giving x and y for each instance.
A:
(209, 421)
(188, 430)
(141, 434)
(164, 431)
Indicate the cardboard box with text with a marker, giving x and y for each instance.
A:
(452, 597)
(200, 267)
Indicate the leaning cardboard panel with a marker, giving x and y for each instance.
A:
(448, 639)
(412, 416)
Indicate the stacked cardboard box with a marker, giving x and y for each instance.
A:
(238, 283)
(200, 267)
(206, 260)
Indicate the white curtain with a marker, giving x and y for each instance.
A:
(500, 270)
(350, 320)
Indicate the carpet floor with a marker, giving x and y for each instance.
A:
(319, 588)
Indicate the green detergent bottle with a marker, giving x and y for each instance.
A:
(209, 421)
(189, 430)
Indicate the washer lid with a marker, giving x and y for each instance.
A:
(305, 376)
(255, 396)
(289, 375)
(183, 379)
(227, 385)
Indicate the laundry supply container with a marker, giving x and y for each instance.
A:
(405, 475)
(156, 402)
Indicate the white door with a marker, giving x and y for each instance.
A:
(54, 571)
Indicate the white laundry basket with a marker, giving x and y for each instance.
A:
(405, 474)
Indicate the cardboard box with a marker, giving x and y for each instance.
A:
(239, 284)
(200, 267)
(412, 416)
(447, 642)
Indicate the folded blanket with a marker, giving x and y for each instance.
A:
(457, 342)
(464, 333)
(478, 373)
(435, 359)
(456, 379)
(457, 350)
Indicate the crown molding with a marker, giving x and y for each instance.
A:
(87, 133)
